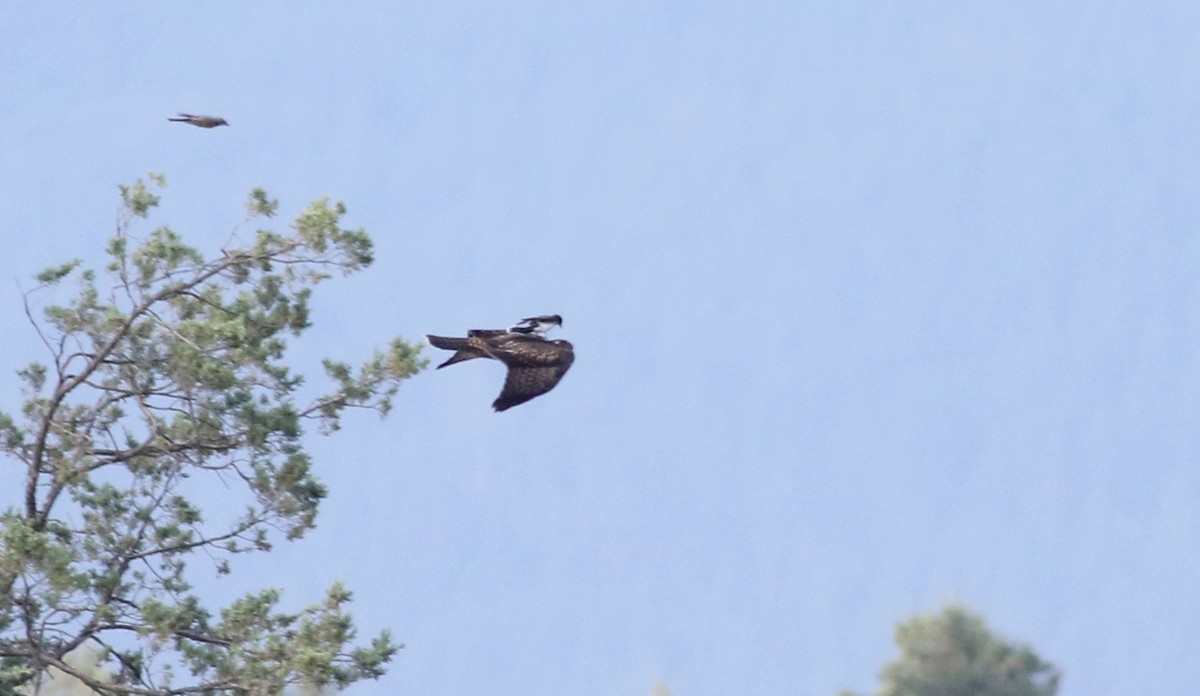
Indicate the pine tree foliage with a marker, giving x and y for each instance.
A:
(163, 428)
(954, 654)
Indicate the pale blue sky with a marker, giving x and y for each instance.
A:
(876, 306)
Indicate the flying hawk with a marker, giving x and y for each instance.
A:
(534, 364)
(536, 325)
(530, 326)
(200, 120)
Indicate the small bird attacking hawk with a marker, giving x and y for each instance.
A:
(536, 325)
(535, 365)
(200, 120)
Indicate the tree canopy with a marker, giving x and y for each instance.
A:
(164, 427)
(954, 654)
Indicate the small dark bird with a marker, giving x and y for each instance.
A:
(534, 364)
(536, 325)
(200, 120)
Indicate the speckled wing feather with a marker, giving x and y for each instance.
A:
(535, 365)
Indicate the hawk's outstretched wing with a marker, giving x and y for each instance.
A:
(535, 365)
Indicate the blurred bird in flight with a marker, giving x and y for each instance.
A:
(200, 120)
(536, 325)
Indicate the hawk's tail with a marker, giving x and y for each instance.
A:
(461, 347)
(460, 356)
(447, 343)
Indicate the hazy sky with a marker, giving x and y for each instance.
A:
(876, 306)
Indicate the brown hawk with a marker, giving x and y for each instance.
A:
(534, 364)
